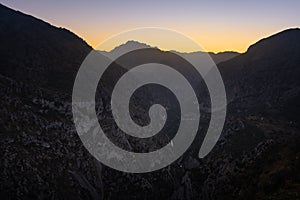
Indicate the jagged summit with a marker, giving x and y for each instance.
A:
(132, 44)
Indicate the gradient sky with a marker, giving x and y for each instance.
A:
(215, 25)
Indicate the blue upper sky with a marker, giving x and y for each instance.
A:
(217, 25)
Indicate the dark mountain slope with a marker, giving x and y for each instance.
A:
(267, 75)
(37, 52)
(42, 157)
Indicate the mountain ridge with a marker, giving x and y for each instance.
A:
(38, 52)
(133, 44)
(268, 73)
(42, 156)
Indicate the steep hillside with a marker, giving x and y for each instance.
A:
(42, 157)
(267, 75)
(37, 52)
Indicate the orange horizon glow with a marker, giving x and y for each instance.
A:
(210, 41)
(217, 26)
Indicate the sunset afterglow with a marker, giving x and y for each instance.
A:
(217, 26)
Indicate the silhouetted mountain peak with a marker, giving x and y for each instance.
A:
(132, 44)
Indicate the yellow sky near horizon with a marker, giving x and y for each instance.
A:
(217, 26)
(210, 40)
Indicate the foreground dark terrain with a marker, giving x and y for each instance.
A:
(42, 157)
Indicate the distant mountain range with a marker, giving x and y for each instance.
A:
(217, 57)
(42, 157)
(61, 50)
